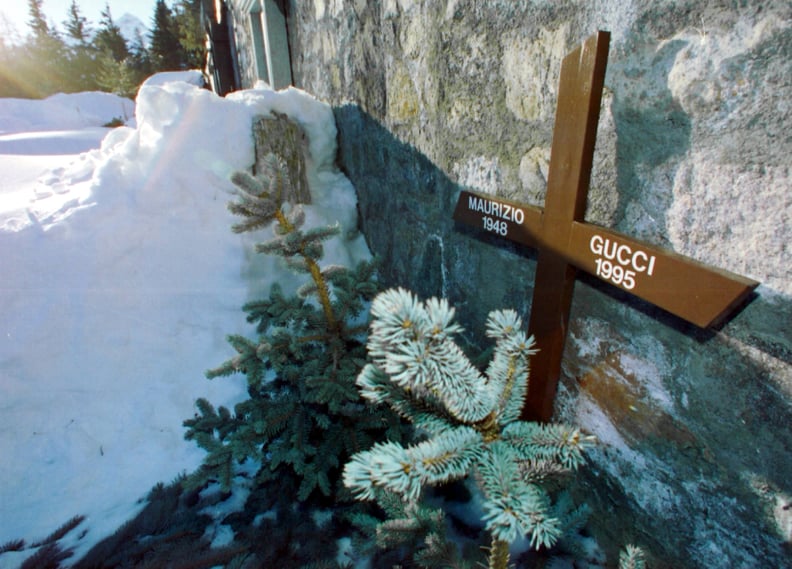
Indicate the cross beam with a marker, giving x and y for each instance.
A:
(686, 288)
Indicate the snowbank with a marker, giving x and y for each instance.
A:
(63, 112)
(193, 77)
(114, 301)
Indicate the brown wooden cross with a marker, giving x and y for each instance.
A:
(691, 290)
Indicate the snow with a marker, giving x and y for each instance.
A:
(193, 77)
(133, 30)
(62, 112)
(119, 280)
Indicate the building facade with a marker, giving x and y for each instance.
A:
(248, 43)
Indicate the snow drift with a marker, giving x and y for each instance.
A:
(120, 278)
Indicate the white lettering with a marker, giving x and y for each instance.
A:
(618, 263)
(636, 266)
(610, 255)
(495, 226)
(493, 209)
(596, 245)
(623, 248)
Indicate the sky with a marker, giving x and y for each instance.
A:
(17, 14)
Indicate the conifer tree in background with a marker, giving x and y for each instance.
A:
(45, 64)
(304, 417)
(115, 72)
(37, 23)
(166, 51)
(140, 57)
(187, 15)
(109, 39)
(10, 54)
(117, 77)
(77, 25)
(82, 54)
(470, 421)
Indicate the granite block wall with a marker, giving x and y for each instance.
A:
(692, 154)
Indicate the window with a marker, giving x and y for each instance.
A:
(257, 28)
(270, 43)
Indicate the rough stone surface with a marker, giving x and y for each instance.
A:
(692, 154)
(246, 72)
(279, 136)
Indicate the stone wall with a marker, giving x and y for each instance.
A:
(692, 155)
(239, 13)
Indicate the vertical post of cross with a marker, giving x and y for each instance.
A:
(571, 157)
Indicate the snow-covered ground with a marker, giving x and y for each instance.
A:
(119, 280)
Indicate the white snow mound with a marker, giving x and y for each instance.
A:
(116, 299)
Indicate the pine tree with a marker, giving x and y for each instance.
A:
(37, 23)
(115, 67)
(11, 55)
(45, 65)
(108, 39)
(77, 25)
(192, 38)
(117, 77)
(140, 58)
(82, 56)
(166, 51)
(304, 417)
(470, 419)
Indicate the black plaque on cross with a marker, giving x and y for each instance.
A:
(693, 291)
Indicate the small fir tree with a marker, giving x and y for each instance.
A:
(304, 417)
(470, 421)
(118, 77)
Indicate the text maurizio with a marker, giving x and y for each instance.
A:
(496, 214)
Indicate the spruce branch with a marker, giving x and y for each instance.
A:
(632, 557)
(247, 361)
(412, 344)
(498, 554)
(256, 205)
(304, 417)
(573, 520)
(471, 420)
(295, 243)
(261, 201)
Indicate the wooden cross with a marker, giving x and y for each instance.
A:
(691, 290)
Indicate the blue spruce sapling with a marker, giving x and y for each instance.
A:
(471, 420)
(632, 557)
(304, 416)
